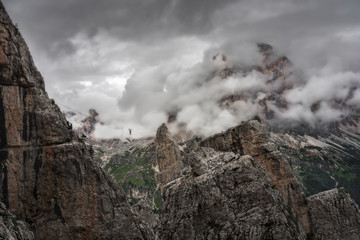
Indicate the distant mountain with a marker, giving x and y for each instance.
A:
(323, 155)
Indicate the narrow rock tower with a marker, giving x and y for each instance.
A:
(167, 156)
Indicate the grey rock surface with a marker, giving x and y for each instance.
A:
(167, 156)
(335, 215)
(252, 138)
(12, 228)
(146, 214)
(225, 194)
(236, 200)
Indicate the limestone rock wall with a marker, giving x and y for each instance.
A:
(47, 176)
(235, 200)
(335, 215)
(250, 138)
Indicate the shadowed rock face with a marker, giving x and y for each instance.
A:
(223, 193)
(252, 139)
(46, 176)
(233, 201)
(167, 156)
(335, 215)
(11, 228)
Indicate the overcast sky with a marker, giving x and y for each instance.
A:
(88, 49)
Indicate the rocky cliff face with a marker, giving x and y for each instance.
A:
(11, 228)
(323, 163)
(47, 176)
(224, 193)
(335, 215)
(252, 139)
(225, 203)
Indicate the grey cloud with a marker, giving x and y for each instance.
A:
(89, 48)
(303, 30)
(52, 22)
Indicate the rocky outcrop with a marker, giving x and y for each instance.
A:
(251, 138)
(335, 215)
(11, 228)
(230, 197)
(47, 176)
(62, 187)
(89, 123)
(83, 125)
(167, 156)
(146, 214)
(224, 193)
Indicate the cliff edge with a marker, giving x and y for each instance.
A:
(47, 175)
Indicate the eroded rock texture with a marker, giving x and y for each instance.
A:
(224, 193)
(250, 138)
(167, 156)
(11, 228)
(233, 201)
(47, 176)
(335, 215)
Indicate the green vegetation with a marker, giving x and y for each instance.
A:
(133, 170)
(293, 155)
(158, 202)
(303, 150)
(321, 169)
(313, 147)
(344, 172)
(315, 179)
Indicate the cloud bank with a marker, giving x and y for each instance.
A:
(133, 61)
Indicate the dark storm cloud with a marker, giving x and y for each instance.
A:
(88, 49)
(308, 32)
(51, 23)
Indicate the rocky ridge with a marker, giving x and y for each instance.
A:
(132, 162)
(224, 203)
(258, 142)
(224, 193)
(47, 176)
(252, 139)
